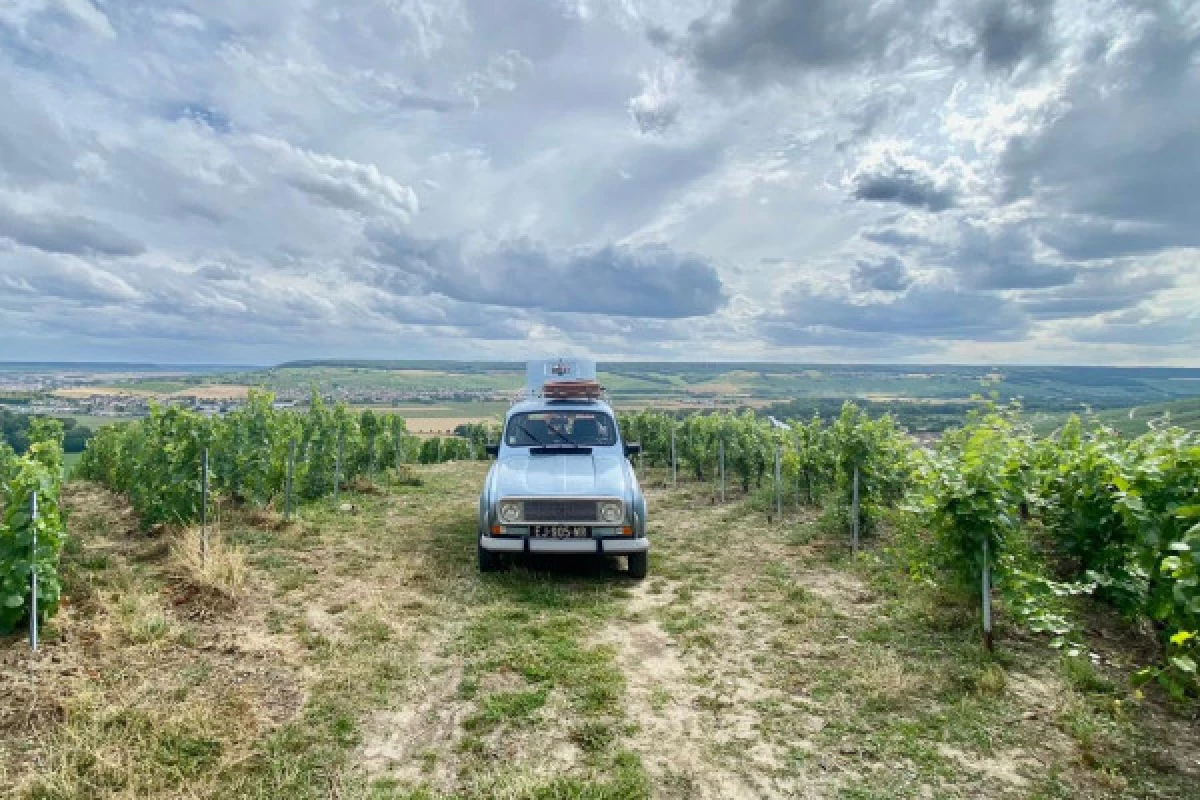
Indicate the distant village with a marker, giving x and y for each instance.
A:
(67, 394)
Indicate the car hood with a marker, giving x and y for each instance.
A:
(561, 475)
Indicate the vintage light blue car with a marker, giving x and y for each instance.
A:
(562, 481)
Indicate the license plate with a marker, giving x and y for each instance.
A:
(560, 531)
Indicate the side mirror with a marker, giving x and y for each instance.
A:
(492, 450)
(632, 449)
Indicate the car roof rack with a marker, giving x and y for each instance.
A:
(572, 390)
(565, 392)
(562, 380)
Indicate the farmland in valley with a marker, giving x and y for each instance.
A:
(922, 397)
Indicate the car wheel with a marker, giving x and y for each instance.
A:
(639, 565)
(488, 561)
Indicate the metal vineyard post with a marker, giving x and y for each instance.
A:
(778, 484)
(674, 461)
(987, 597)
(337, 466)
(204, 509)
(287, 489)
(33, 576)
(854, 511)
(721, 458)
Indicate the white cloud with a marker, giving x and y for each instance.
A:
(657, 107)
(952, 180)
(342, 183)
(27, 15)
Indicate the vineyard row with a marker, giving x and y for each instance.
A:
(1083, 511)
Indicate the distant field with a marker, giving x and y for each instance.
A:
(163, 389)
(83, 392)
(1051, 388)
(921, 397)
(464, 409)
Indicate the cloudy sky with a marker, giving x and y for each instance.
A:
(1005, 181)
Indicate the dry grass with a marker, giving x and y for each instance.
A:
(368, 659)
(220, 569)
(139, 690)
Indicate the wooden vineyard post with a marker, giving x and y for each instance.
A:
(287, 486)
(33, 574)
(987, 598)
(854, 511)
(204, 509)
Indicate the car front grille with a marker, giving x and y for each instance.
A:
(561, 511)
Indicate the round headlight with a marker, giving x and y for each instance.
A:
(610, 512)
(510, 512)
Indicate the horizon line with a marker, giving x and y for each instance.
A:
(305, 363)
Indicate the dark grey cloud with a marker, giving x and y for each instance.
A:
(1012, 32)
(924, 311)
(983, 255)
(649, 281)
(1122, 149)
(908, 181)
(654, 118)
(893, 236)
(1138, 327)
(1097, 291)
(1003, 257)
(763, 41)
(218, 272)
(1100, 239)
(888, 274)
(64, 233)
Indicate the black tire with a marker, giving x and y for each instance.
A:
(488, 561)
(639, 565)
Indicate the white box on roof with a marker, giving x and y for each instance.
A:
(539, 373)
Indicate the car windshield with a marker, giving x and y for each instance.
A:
(549, 428)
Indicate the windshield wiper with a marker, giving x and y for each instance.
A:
(528, 433)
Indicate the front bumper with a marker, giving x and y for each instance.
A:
(527, 544)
